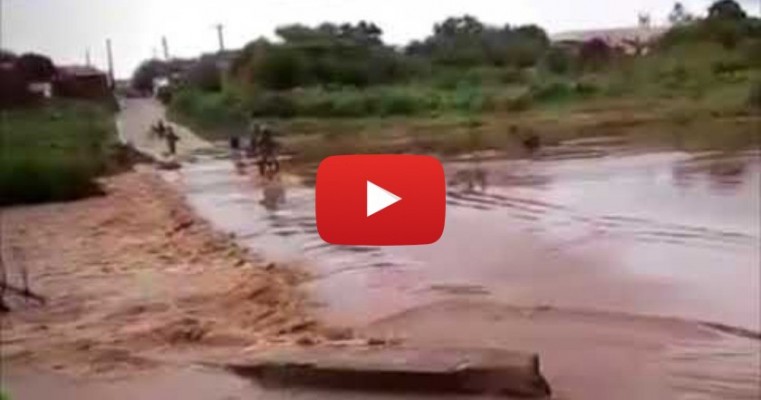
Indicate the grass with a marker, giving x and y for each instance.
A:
(700, 92)
(452, 136)
(700, 73)
(53, 152)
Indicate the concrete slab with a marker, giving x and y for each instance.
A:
(399, 370)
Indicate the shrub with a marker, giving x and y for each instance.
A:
(54, 152)
(397, 103)
(208, 108)
(164, 94)
(521, 102)
(282, 68)
(205, 75)
(754, 97)
(35, 67)
(585, 88)
(674, 77)
(274, 105)
(752, 52)
(728, 66)
(142, 78)
(551, 91)
(558, 60)
(511, 75)
(594, 54)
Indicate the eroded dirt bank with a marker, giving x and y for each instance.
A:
(132, 280)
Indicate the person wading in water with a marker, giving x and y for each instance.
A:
(171, 140)
(159, 130)
(267, 147)
(253, 140)
(530, 141)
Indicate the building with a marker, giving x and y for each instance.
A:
(632, 40)
(81, 82)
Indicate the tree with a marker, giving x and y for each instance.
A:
(594, 53)
(282, 68)
(465, 41)
(533, 32)
(459, 26)
(364, 33)
(726, 10)
(205, 75)
(558, 60)
(7, 56)
(35, 67)
(328, 54)
(149, 70)
(327, 34)
(679, 15)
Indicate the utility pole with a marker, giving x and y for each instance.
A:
(165, 46)
(110, 56)
(220, 37)
(88, 61)
(1, 24)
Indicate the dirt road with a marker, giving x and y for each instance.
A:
(135, 120)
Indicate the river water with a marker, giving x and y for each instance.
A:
(654, 233)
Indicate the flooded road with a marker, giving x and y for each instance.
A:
(666, 234)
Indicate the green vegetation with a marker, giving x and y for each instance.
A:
(469, 71)
(26, 68)
(53, 152)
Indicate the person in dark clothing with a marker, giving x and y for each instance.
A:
(530, 141)
(234, 143)
(159, 129)
(253, 141)
(171, 140)
(267, 147)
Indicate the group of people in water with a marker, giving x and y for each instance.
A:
(260, 145)
(164, 131)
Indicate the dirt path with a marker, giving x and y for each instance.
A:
(135, 121)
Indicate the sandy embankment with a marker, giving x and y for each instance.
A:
(133, 279)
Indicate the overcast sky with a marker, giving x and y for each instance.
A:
(64, 29)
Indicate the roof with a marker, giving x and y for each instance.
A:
(80, 71)
(612, 36)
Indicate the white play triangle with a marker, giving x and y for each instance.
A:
(378, 198)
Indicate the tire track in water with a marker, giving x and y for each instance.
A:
(646, 230)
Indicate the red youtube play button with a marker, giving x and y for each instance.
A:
(380, 200)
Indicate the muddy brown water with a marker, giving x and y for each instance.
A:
(591, 239)
(662, 233)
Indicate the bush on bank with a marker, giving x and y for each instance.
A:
(53, 152)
